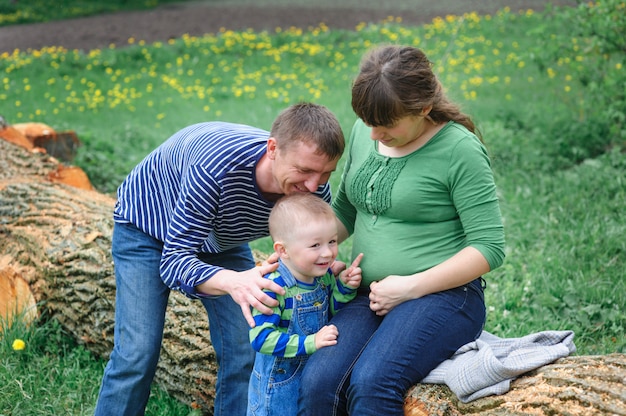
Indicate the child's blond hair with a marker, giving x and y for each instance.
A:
(295, 211)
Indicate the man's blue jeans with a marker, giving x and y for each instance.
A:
(377, 359)
(141, 300)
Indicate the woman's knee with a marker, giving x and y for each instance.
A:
(319, 382)
(372, 374)
(312, 382)
(391, 376)
(375, 392)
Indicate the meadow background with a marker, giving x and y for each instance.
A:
(547, 89)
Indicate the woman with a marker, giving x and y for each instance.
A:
(418, 195)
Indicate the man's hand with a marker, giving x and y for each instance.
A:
(326, 336)
(246, 288)
(352, 275)
(273, 258)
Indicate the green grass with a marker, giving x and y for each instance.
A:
(562, 199)
(55, 376)
(565, 258)
(51, 375)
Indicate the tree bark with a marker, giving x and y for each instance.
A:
(576, 385)
(58, 237)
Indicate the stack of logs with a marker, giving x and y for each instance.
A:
(15, 294)
(41, 138)
(55, 239)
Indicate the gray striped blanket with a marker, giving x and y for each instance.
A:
(488, 365)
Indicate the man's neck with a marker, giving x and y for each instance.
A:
(265, 180)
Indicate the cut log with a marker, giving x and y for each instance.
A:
(70, 175)
(41, 138)
(576, 385)
(58, 238)
(61, 145)
(16, 299)
(13, 135)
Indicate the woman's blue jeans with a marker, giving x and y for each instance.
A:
(377, 359)
(141, 300)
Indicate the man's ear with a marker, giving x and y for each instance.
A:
(426, 110)
(280, 249)
(272, 148)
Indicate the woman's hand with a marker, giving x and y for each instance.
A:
(388, 293)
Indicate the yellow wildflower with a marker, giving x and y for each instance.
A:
(19, 344)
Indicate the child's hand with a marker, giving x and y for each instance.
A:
(326, 336)
(352, 275)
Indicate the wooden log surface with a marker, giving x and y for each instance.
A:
(575, 385)
(57, 238)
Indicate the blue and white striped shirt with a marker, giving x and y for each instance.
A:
(197, 193)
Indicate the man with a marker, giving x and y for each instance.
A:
(183, 220)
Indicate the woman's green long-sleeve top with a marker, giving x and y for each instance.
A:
(410, 213)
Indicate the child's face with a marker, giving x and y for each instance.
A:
(310, 249)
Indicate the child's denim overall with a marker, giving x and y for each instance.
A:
(275, 382)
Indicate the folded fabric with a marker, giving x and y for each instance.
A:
(488, 365)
